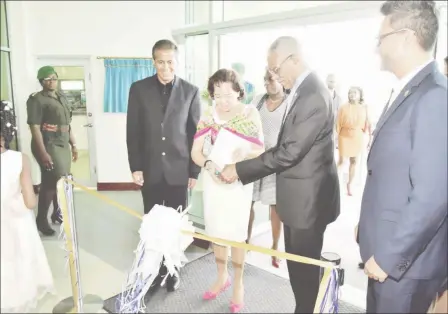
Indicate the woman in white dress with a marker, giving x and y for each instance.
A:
(25, 274)
(272, 108)
(227, 206)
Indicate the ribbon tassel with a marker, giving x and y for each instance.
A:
(161, 238)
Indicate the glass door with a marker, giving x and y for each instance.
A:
(74, 83)
(246, 52)
(197, 63)
(197, 72)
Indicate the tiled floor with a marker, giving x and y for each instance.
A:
(81, 168)
(107, 238)
(339, 238)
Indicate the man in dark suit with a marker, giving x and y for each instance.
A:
(307, 182)
(403, 223)
(163, 112)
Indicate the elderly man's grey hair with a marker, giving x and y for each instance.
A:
(419, 16)
(287, 45)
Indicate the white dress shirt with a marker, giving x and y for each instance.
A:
(398, 86)
(293, 92)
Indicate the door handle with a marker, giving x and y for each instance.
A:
(89, 125)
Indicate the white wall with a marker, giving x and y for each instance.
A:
(80, 132)
(87, 28)
(242, 9)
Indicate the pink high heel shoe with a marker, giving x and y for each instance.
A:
(236, 308)
(209, 295)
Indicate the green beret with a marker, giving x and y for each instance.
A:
(45, 72)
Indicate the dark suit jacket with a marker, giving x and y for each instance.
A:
(403, 221)
(160, 144)
(307, 180)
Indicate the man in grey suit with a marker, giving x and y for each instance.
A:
(335, 102)
(403, 223)
(307, 182)
(336, 99)
(163, 111)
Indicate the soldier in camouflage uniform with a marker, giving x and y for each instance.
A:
(52, 144)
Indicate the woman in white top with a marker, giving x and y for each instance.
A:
(227, 206)
(25, 274)
(272, 108)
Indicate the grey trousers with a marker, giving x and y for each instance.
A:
(404, 296)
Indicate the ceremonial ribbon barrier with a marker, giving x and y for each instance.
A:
(77, 302)
(326, 302)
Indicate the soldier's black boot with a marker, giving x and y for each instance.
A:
(45, 198)
(44, 228)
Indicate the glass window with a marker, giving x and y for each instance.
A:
(71, 85)
(346, 49)
(6, 92)
(197, 12)
(243, 9)
(3, 26)
(180, 71)
(5, 68)
(352, 58)
(251, 54)
(5, 77)
(197, 63)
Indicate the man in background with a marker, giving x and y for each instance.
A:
(249, 88)
(336, 101)
(163, 112)
(403, 223)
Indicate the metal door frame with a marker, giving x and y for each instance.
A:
(84, 61)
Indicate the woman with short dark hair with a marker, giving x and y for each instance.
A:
(227, 206)
(272, 107)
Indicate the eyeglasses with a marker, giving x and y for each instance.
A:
(277, 69)
(227, 96)
(381, 37)
(50, 79)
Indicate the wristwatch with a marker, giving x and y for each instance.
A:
(206, 163)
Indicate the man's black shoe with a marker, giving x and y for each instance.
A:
(172, 283)
(157, 282)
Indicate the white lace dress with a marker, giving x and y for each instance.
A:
(25, 274)
(227, 206)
